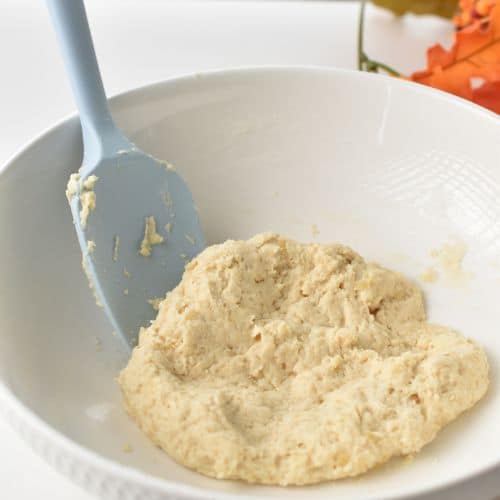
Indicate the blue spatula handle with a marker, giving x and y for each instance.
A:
(98, 129)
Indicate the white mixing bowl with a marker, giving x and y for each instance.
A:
(388, 167)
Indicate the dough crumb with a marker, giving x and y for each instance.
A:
(116, 248)
(125, 292)
(167, 199)
(151, 237)
(86, 270)
(72, 187)
(155, 303)
(449, 258)
(290, 364)
(126, 273)
(127, 448)
(87, 199)
(89, 182)
(314, 230)
(190, 239)
(166, 164)
(168, 227)
(430, 275)
(90, 246)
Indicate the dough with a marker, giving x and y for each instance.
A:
(87, 199)
(430, 275)
(449, 258)
(151, 237)
(87, 196)
(283, 363)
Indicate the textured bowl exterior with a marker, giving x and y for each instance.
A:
(83, 470)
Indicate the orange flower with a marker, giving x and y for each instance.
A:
(471, 11)
(471, 68)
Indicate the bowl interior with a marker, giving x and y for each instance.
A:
(387, 167)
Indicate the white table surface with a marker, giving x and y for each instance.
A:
(142, 41)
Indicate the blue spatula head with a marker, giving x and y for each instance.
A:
(137, 227)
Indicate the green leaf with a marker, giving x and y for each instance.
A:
(443, 8)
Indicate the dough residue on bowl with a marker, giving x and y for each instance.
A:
(277, 362)
(429, 275)
(449, 258)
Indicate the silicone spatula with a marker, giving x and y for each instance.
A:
(133, 214)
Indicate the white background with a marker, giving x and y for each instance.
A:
(142, 41)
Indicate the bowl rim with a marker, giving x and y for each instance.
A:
(26, 422)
